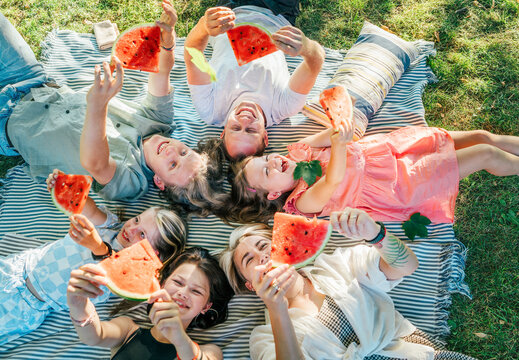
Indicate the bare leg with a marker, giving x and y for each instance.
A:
(463, 139)
(486, 157)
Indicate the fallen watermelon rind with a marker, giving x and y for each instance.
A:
(317, 253)
(114, 46)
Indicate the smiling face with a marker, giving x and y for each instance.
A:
(140, 227)
(252, 251)
(272, 173)
(244, 132)
(172, 161)
(188, 286)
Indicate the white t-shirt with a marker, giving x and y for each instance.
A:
(263, 81)
(352, 277)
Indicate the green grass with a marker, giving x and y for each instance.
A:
(478, 68)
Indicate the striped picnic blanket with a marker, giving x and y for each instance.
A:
(26, 209)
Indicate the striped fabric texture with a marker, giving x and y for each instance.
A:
(369, 70)
(26, 207)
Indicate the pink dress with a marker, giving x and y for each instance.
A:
(391, 176)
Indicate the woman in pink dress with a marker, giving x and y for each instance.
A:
(390, 176)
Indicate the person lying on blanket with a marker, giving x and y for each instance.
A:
(337, 309)
(391, 176)
(34, 282)
(246, 99)
(195, 292)
(123, 145)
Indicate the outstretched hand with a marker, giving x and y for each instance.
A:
(290, 40)
(165, 315)
(354, 224)
(218, 20)
(343, 134)
(85, 283)
(84, 233)
(271, 285)
(167, 22)
(105, 88)
(51, 179)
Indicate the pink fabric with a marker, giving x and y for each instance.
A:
(391, 176)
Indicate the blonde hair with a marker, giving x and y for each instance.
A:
(226, 256)
(173, 234)
(248, 205)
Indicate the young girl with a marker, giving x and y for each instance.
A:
(390, 176)
(34, 282)
(336, 309)
(195, 292)
(125, 146)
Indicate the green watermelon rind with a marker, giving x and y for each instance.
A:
(312, 258)
(128, 30)
(126, 294)
(58, 205)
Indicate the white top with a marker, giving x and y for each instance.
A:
(352, 277)
(263, 81)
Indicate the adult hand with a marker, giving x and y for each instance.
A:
(167, 22)
(51, 179)
(218, 20)
(84, 283)
(354, 224)
(165, 315)
(84, 233)
(105, 88)
(271, 285)
(290, 40)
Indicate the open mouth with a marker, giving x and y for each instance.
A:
(181, 304)
(124, 235)
(162, 146)
(284, 165)
(247, 111)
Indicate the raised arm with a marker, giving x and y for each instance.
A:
(396, 259)
(293, 42)
(158, 83)
(215, 21)
(272, 288)
(314, 199)
(94, 150)
(84, 284)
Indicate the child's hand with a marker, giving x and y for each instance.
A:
(85, 283)
(104, 89)
(272, 285)
(343, 135)
(165, 314)
(354, 224)
(83, 232)
(167, 22)
(218, 20)
(290, 40)
(51, 179)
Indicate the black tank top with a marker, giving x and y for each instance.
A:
(141, 345)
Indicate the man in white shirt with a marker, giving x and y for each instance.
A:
(246, 99)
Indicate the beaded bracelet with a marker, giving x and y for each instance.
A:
(197, 353)
(89, 320)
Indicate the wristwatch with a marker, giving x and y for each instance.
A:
(380, 236)
(102, 257)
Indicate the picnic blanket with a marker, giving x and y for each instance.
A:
(26, 208)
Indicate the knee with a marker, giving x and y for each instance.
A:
(487, 152)
(483, 136)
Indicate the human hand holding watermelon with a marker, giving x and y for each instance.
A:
(218, 20)
(84, 283)
(271, 284)
(69, 192)
(354, 224)
(291, 40)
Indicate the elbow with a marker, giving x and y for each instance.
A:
(412, 265)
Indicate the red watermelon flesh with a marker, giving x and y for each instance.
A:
(337, 104)
(138, 48)
(132, 273)
(70, 193)
(297, 240)
(249, 42)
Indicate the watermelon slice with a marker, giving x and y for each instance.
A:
(138, 48)
(132, 273)
(70, 193)
(250, 42)
(337, 104)
(297, 240)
